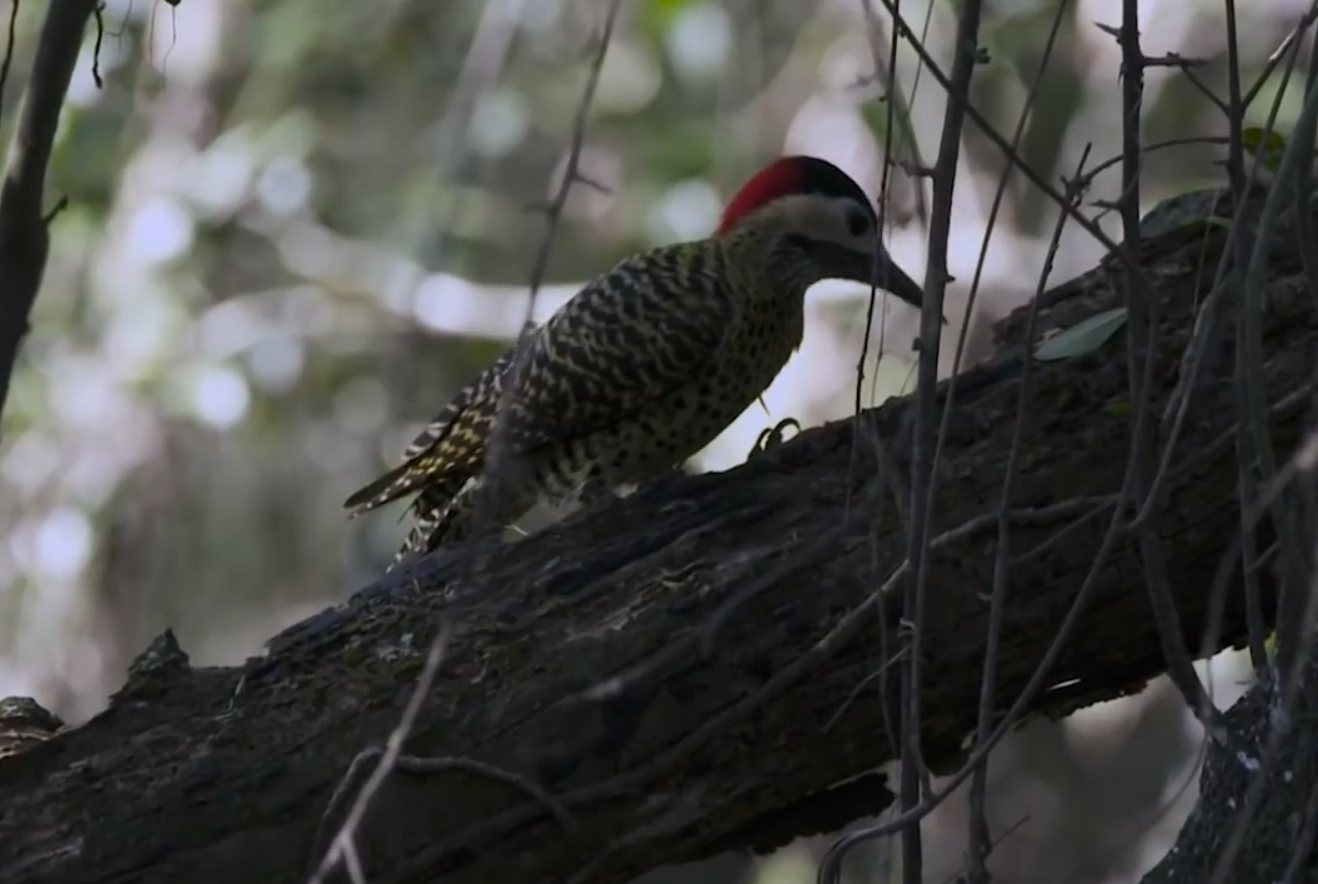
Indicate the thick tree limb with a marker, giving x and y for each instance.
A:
(220, 775)
(24, 237)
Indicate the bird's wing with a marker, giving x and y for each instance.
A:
(447, 452)
(650, 326)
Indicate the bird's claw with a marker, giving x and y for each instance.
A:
(772, 437)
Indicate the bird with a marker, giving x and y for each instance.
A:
(645, 365)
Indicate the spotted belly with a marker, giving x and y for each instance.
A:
(667, 434)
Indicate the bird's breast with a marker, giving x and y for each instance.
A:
(677, 425)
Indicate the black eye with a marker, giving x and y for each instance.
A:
(858, 221)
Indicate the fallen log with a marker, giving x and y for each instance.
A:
(594, 725)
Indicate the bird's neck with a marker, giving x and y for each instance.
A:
(768, 265)
(767, 285)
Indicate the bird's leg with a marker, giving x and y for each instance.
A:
(508, 497)
(439, 523)
(772, 437)
(596, 489)
(484, 504)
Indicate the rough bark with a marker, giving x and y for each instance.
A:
(768, 729)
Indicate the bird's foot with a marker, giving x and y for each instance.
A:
(772, 437)
(595, 490)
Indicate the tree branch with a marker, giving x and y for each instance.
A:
(24, 233)
(578, 730)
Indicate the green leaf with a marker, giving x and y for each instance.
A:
(657, 14)
(1083, 337)
(1267, 151)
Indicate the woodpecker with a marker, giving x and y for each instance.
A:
(646, 365)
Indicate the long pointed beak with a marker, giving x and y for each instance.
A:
(891, 278)
(886, 276)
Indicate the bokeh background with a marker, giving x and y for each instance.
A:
(295, 228)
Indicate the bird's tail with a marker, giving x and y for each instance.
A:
(378, 492)
(446, 452)
(442, 518)
(445, 516)
(416, 474)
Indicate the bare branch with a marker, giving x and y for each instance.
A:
(9, 51)
(926, 430)
(24, 235)
(499, 460)
(1141, 320)
(343, 848)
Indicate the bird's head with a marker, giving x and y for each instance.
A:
(820, 225)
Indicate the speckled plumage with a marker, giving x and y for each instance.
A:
(639, 371)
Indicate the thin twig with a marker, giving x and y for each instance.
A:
(1191, 366)
(96, 49)
(1204, 89)
(1304, 460)
(1287, 47)
(9, 53)
(991, 133)
(1070, 621)
(899, 105)
(890, 475)
(342, 848)
(1295, 570)
(980, 841)
(1235, 166)
(991, 223)
(1308, 236)
(439, 764)
(1294, 621)
(1292, 651)
(571, 172)
(973, 295)
(497, 449)
(1141, 355)
(887, 77)
(926, 424)
(1097, 169)
(917, 168)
